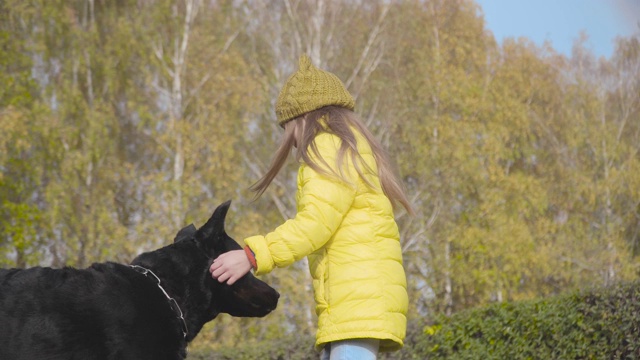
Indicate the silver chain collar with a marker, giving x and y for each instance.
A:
(172, 302)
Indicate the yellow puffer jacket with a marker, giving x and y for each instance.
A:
(348, 232)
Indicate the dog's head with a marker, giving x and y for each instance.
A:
(184, 269)
(248, 297)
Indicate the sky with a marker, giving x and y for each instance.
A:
(561, 21)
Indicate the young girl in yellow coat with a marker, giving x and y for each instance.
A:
(344, 222)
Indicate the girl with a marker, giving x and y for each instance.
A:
(344, 224)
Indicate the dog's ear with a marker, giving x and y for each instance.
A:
(211, 235)
(185, 233)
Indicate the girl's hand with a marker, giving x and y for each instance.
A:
(230, 266)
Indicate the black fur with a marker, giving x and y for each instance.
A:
(111, 311)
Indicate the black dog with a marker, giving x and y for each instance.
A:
(150, 309)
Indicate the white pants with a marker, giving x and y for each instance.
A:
(352, 349)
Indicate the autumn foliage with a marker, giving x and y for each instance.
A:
(122, 121)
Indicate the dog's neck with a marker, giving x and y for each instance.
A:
(172, 302)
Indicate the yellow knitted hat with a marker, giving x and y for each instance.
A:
(309, 89)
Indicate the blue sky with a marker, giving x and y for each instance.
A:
(561, 21)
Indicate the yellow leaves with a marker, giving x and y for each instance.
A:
(14, 136)
(431, 330)
(632, 177)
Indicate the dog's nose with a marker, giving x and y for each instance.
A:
(274, 305)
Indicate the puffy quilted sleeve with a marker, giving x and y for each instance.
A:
(323, 202)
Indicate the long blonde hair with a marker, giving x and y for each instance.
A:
(300, 133)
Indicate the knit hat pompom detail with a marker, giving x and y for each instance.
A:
(309, 89)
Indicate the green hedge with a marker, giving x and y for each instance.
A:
(596, 324)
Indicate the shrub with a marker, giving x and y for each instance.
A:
(597, 324)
